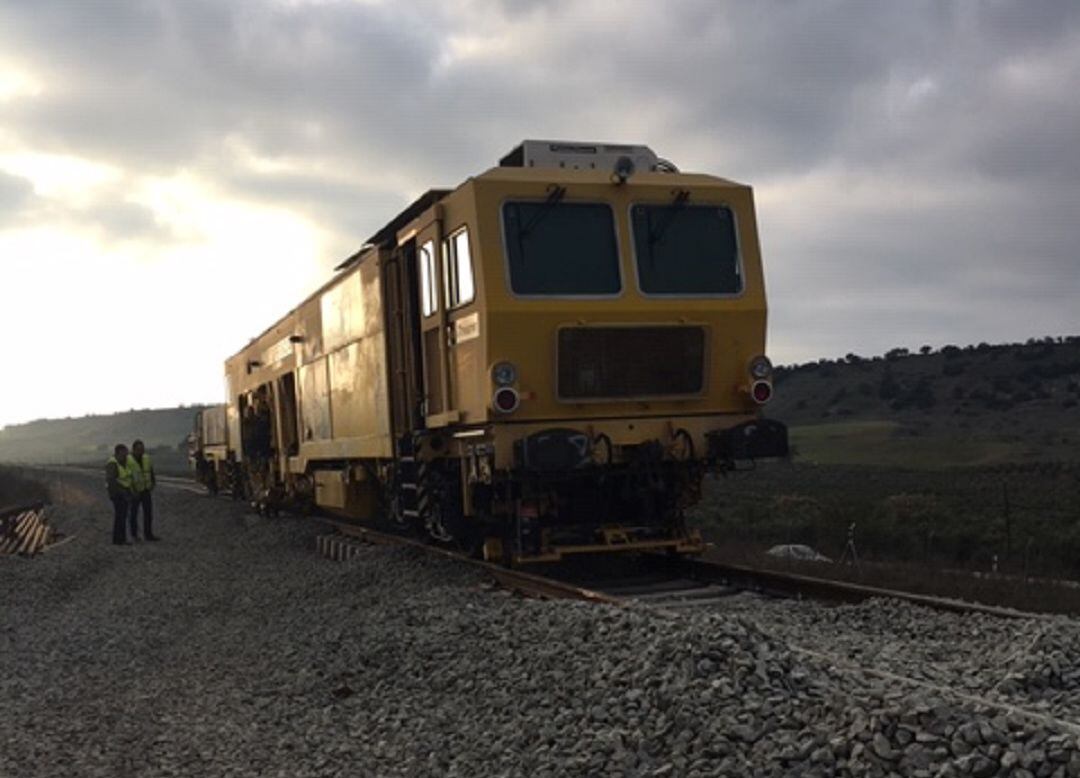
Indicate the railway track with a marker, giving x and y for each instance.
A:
(799, 586)
(673, 583)
(351, 535)
(683, 583)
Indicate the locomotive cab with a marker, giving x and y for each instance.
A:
(592, 335)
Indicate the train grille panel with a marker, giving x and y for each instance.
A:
(630, 362)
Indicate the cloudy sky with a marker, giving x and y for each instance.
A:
(175, 175)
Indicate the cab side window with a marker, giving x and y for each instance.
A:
(429, 292)
(460, 287)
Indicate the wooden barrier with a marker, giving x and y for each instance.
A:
(25, 530)
(338, 548)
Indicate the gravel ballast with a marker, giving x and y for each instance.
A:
(230, 648)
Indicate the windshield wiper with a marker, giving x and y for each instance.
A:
(555, 195)
(673, 210)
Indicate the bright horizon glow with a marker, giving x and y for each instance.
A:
(109, 328)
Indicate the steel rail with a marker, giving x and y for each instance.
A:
(800, 585)
(744, 577)
(515, 580)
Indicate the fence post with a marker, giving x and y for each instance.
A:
(1008, 519)
(849, 550)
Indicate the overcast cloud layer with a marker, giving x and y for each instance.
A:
(916, 165)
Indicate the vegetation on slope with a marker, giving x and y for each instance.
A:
(90, 439)
(955, 406)
(955, 458)
(18, 489)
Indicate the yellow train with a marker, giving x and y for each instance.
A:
(543, 361)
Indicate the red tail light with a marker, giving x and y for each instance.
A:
(761, 391)
(505, 399)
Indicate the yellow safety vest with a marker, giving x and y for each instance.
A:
(123, 475)
(140, 474)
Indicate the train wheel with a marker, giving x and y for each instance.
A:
(492, 550)
(509, 543)
(393, 504)
(470, 541)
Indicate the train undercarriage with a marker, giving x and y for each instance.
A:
(556, 500)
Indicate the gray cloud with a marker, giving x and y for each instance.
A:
(353, 211)
(790, 84)
(972, 103)
(118, 220)
(15, 194)
(109, 215)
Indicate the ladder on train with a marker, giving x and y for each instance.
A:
(413, 492)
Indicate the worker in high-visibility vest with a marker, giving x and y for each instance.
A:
(143, 481)
(118, 482)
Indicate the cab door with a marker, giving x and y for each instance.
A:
(404, 360)
(463, 320)
(434, 327)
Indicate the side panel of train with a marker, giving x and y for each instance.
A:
(541, 361)
(308, 400)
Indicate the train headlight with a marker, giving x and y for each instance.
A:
(761, 391)
(505, 399)
(504, 373)
(760, 368)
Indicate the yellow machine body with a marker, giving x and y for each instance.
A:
(380, 393)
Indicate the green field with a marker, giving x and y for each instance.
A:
(955, 458)
(973, 406)
(1025, 515)
(892, 444)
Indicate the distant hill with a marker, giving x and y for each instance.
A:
(979, 404)
(973, 405)
(91, 438)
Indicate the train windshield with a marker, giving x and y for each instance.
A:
(686, 249)
(563, 249)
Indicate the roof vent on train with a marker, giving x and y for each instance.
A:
(583, 156)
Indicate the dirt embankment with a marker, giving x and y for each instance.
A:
(18, 486)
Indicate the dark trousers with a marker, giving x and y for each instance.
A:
(120, 512)
(143, 499)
